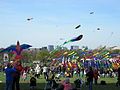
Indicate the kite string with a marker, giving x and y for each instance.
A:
(109, 39)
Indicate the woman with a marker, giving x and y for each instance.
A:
(66, 83)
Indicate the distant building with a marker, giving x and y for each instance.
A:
(32, 49)
(116, 48)
(64, 48)
(44, 48)
(50, 47)
(74, 47)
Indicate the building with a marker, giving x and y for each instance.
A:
(74, 47)
(116, 48)
(50, 47)
(64, 48)
(113, 48)
(32, 49)
(44, 48)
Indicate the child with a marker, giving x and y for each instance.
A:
(32, 83)
(66, 83)
(24, 76)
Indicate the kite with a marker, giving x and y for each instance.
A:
(98, 28)
(112, 33)
(61, 38)
(114, 54)
(29, 19)
(75, 39)
(81, 54)
(91, 12)
(77, 26)
(58, 53)
(17, 49)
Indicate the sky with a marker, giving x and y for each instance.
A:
(56, 19)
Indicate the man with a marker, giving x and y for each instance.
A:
(9, 76)
(45, 70)
(89, 77)
(118, 82)
(96, 75)
(16, 78)
(37, 70)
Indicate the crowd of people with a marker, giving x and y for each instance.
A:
(53, 74)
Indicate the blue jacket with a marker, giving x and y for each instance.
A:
(9, 74)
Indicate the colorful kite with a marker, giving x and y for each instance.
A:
(17, 49)
(75, 39)
(77, 26)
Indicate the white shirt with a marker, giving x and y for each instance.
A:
(45, 69)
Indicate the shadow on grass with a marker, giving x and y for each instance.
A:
(41, 86)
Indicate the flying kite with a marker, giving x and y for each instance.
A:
(91, 12)
(77, 26)
(98, 28)
(17, 49)
(73, 40)
(112, 33)
(29, 19)
(61, 38)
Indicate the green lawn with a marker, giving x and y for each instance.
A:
(41, 83)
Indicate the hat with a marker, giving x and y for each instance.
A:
(67, 80)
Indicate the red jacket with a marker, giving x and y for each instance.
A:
(19, 69)
(96, 74)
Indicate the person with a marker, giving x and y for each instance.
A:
(45, 70)
(96, 75)
(72, 72)
(9, 71)
(32, 83)
(24, 76)
(78, 72)
(118, 79)
(53, 83)
(89, 77)
(82, 70)
(66, 83)
(37, 70)
(58, 76)
(77, 83)
(16, 78)
(68, 74)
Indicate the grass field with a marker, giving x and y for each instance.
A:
(41, 83)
